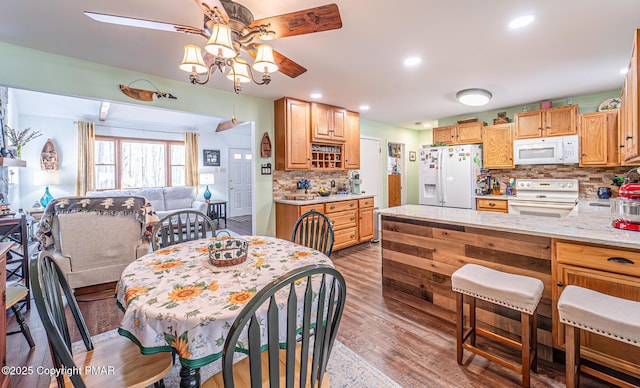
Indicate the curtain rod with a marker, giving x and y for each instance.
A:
(142, 129)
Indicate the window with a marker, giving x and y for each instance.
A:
(123, 163)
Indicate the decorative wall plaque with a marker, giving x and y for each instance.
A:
(49, 156)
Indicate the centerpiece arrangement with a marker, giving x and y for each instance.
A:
(19, 138)
(304, 184)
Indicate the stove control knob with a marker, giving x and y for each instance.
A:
(563, 184)
(569, 184)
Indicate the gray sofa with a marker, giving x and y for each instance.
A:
(164, 200)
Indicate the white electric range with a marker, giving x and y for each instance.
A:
(544, 197)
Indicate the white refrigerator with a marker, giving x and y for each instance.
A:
(448, 175)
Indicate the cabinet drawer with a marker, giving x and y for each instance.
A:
(367, 202)
(319, 207)
(626, 262)
(333, 207)
(344, 219)
(345, 237)
(495, 205)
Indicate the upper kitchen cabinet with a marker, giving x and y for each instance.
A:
(352, 143)
(599, 141)
(292, 134)
(559, 121)
(497, 146)
(468, 133)
(328, 123)
(630, 146)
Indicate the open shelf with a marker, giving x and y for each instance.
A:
(326, 157)
(8, 162)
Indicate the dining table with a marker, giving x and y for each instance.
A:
(175, 300)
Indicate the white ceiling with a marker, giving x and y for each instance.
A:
(574, 47)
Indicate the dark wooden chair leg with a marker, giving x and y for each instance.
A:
(459, 325)
(472, 320)
(24, 328)
(572, 354)
(534, 340)
(526, 350)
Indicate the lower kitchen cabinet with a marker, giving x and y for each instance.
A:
(492, 205)
(613, 271)
(352, 220)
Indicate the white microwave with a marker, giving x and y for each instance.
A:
(547, 150)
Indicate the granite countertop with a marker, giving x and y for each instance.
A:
(319, 199)
(491, 196)
(585, 223)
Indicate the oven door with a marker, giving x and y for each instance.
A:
(541, 208)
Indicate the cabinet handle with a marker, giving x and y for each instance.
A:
(351, 205)
(548, 127)
(331, 207)
(492, 204)
(353, 236)
(332, 222)
(620, 260)
(629, 137)
(560, 284)
(352, 219)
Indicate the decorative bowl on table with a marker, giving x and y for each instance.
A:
(324, 193)
(228, 252)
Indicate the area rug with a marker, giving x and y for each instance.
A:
(240, 218)
(345, 368)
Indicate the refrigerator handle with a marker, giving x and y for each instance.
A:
(441, 180)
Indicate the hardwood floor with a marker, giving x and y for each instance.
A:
(413, 348)
(240, 225)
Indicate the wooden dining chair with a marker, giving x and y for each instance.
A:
(319, 292)
(127, 366)
(14, 294)
(181, 226)
(314, 230)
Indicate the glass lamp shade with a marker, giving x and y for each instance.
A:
(473, 97)
(239, 71)
(46, 198)
(192, 61)
(220, 43)
(265, 63)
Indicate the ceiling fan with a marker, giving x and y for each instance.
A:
(244, 28)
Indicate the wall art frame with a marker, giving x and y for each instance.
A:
(211, 158)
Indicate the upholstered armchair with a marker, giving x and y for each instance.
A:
(92, 239)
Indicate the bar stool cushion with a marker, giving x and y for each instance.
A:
(600, 313)
(517, 292)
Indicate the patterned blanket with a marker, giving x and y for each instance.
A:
(107, 206)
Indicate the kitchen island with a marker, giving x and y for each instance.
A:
(423, 245)
(351, 216)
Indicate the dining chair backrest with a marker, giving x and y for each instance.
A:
(314, 230)
(50, 294)
(181, 226)
(315, 297)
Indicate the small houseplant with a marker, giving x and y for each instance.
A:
(19, 138)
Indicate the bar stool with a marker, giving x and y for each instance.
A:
(584, 309)
(521, 293)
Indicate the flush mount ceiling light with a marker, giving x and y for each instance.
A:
(521, 21)
(231, 31)
(412, 61)
(473, 97)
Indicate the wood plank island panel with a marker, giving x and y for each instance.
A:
(418, 258)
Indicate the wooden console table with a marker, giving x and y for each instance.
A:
(217, 210)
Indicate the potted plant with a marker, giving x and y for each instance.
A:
(19, 138)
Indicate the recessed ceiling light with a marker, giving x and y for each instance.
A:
(412, 61)
(364, 107)
(521, 21)
(426, 125)
(316, 95)
(624, 71)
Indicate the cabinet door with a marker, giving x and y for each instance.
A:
(338, 124)
(444, 135)
(629, 132)
(593, 139)
(365, 224)
(528, 124)
(561, 121)
(469, 133)
(321, 117)
(298, 144)
(603, 350)
(497, 146)
(352, 142)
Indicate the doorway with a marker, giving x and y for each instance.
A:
(240, 184)
(371, 168)
(396, 175)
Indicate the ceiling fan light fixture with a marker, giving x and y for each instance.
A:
(220, 44)
(264, 60)
(192, 61)
(474, 97)
(239, 71)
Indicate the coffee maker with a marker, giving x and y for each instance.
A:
(355, 182)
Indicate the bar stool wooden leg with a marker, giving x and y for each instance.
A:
(472, 320)
(459, 325)
(572, 353)
(534, 340)
(526, 351)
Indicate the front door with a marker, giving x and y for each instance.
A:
(240, 162)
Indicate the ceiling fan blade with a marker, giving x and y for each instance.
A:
(207, 6)
(224, 125)
(285, 65)
(323, 18)
(143, 23)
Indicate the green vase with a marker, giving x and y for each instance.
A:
(19, 151)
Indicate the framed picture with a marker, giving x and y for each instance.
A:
(211, 157)
(412, 156)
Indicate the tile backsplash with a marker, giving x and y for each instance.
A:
(284, 182)
(589, 178)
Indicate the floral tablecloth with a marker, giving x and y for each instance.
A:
(174, 300)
